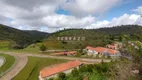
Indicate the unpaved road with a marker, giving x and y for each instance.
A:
(60, 57)
(69, 58)
(2, 60)
(21, 61)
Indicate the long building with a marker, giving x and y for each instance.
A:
(67, 67)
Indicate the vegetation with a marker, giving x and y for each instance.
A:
(9, 62)
(62, 76)
(42, 48)
(135, 55)
(34, 65)
(120, 70)
(33, 48)
(93, 37)
(4, 44)
(20, 39)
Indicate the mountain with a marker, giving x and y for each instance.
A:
(93, 37)
(20, 37)
(127, 29)
(37, 35)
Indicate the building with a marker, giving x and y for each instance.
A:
(112, 46)
(102, 51)
(67, 53)
(115, 45)
(51, 72)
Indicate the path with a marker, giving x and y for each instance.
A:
(62, 57)
(20, 64)
(2, 60)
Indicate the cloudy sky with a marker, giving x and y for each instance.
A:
(53, 15)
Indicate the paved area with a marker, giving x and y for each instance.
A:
(1, 61)
(20, 64)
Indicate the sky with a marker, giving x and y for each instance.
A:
(53, 15)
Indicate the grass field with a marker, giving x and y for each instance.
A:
(63, 45)
(9, 62)
(34, 65)
(4, 47)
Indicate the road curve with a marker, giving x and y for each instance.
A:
(2, 60)
(19, 65)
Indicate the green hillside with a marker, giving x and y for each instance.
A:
(19, 38)
(93, 37)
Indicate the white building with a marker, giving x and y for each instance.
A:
(102, 51)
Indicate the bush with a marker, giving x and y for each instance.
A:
(90, 68)
(75, 72)
(42, 47)
(51, 79)
(82, 69)
(62, 76)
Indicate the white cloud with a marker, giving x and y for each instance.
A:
(87, 7)
(139, 9)
(41, 14)
(125, 19)
(67, 21)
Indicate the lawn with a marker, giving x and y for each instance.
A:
(4, 44)
(34, 65)
(62, 45)
(30, 49)
(9, 62)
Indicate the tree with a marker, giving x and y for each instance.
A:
(83, 68)
(75, 72)
(43, 47)
(62, 76)
(90, 68)
(51, 79)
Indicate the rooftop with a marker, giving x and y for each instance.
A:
(59, 68)
(102, 49)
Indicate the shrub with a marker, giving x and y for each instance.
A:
(75, 72)
(43, 47)
(62, 76)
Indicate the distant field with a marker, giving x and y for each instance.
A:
(61, 45)
(9, 62)
(34, 65)
(30, 48)
(3, 45)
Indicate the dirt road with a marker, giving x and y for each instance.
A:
(62, 57)
(21, 61)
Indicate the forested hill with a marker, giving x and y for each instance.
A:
(124, 29)
(127, 29)
(96, 37)
(20, 38)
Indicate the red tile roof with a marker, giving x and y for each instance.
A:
(111, 46)
(59, 68)
(70, 52)
(102, 49)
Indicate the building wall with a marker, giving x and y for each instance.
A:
(94, 53)
(91, 52)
